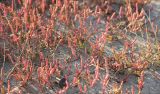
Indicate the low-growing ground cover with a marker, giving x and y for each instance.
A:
(79, 47)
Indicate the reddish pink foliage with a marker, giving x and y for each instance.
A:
(30, 2)
(1, 28)
(9, 87)
(113, 15)
(73, 51)
(25, 64)
(41, 56)
(85, 89)
(5, 12)
(43, 5)
(141, 81)
(132, 90)
(15, 38)
(121, 12)
(52, 70)
(53, 1)
(80, 87)
(107, 26)
(75, 6)
(105, 80)
(19, 2)
(13, 5)
(58, 3)
(137, 8)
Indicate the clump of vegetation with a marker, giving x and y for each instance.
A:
(94, 42)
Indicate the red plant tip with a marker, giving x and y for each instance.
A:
(5, 12)
(121, 12)
(141, 81)
(25, 64)
(15, 38)
(106, 78)
(132, 90)
(13, 2)
(93, 82)
(140, 84)
(19, 2)
(137, 8)
(9, 87)
(75, 81)
(43, 5)
(81, 62)
(41, 56)
(52, 70)
(53, 1)
(1, 28)
(58, 3)
(107, 26)
(30, 2)
(98, 20)
(25, 16)
(75, 7)
(80, 87)
(97, 71)
(113, 15)
(92, 60)
(85, 88)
